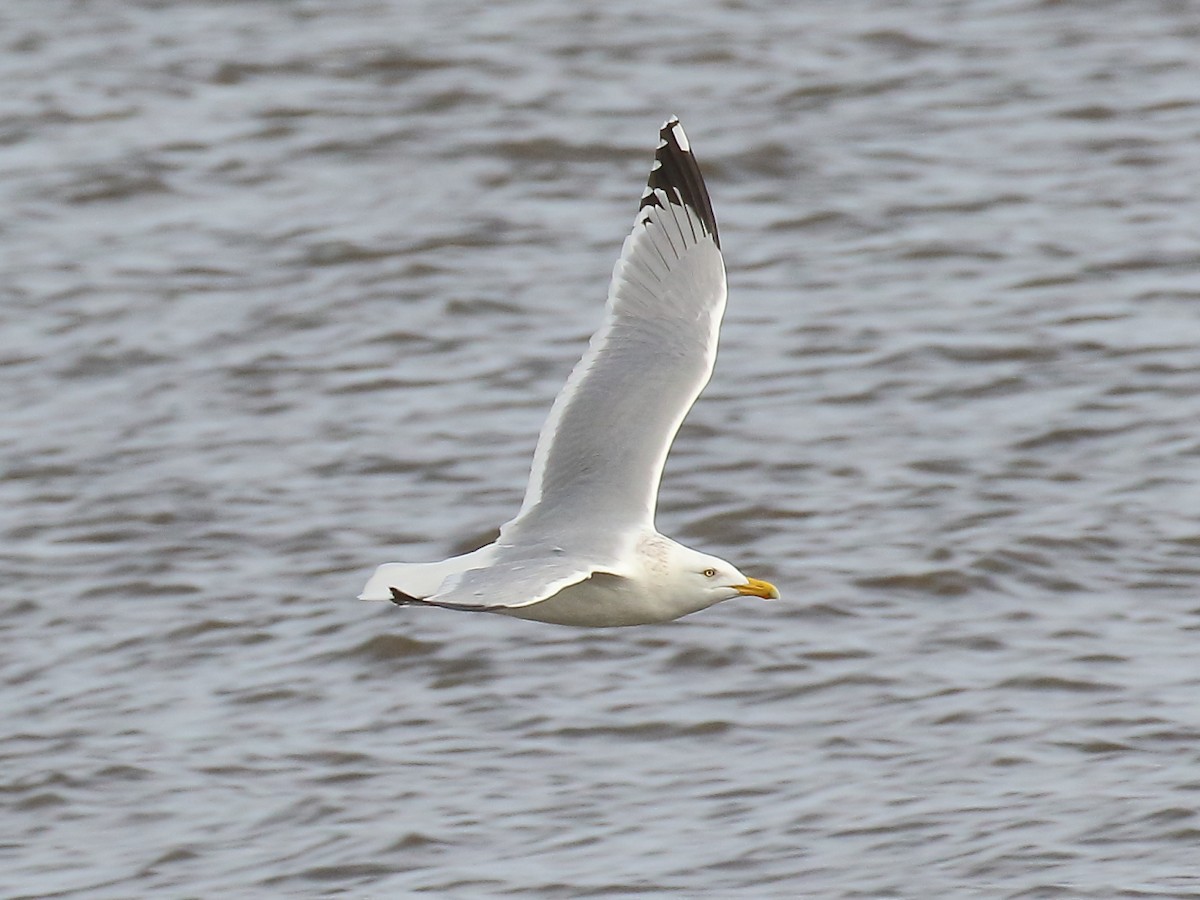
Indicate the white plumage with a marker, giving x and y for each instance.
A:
(583, 549)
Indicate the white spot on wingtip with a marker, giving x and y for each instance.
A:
(680, 137)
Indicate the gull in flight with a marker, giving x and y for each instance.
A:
(583, 549)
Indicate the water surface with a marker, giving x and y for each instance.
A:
(287, 291)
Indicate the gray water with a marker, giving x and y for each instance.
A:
(288, 289)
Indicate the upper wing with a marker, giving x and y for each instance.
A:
(601, 452)
(516, 577)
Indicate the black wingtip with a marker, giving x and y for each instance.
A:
(402, 599)
(677, 174)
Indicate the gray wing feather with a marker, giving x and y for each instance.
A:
(517, 577)
(601, 452)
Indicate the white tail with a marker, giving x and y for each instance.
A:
(421, 580)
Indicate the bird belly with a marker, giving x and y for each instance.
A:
(602, 601)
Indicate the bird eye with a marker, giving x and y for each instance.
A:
(709, 573)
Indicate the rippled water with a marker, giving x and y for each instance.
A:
(287, 291)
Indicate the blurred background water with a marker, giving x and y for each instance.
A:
(287, 290)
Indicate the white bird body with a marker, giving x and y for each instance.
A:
(643, 595)
(583, 549)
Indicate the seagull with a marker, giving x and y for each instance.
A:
(583, 550)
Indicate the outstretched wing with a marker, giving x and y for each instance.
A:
(516, 577)
(601, 453)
